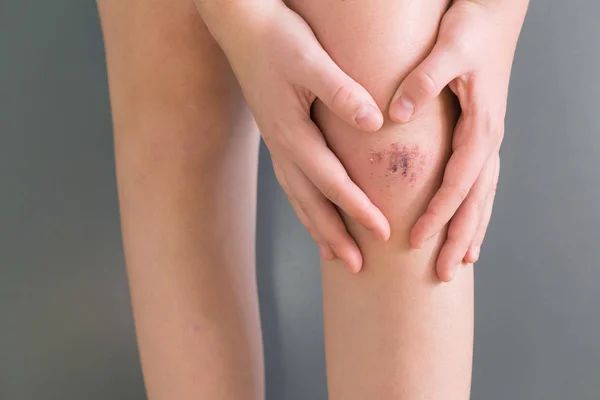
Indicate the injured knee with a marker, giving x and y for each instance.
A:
(402, 161)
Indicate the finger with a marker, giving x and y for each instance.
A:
(341, 94)
(464, 224)
(325, 170)
(475, 248)
(325, 219)
(463, 168)
(425, 83)
(324, 248)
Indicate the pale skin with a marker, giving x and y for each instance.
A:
(186, 147)
(393, 331)
(186, 153)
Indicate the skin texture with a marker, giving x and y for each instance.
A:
(407, 162)
(186, 153)
(394, 331)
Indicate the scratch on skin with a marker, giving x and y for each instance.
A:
(404, 161)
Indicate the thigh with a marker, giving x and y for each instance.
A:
(164, 66)
(177, 108)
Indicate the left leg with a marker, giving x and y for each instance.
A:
(186, 153)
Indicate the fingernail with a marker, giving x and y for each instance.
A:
(402, 110)
(476, 250)
(368, 117)
(383, 232)
(384, 235)
(350, 268)
(451, 275)
(322, 251)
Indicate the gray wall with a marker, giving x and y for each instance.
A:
(65, 325)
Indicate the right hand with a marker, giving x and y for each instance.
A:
(282, 69)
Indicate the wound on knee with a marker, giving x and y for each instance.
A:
(406, 162)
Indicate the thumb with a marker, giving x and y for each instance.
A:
(341, 94)
(425, 83)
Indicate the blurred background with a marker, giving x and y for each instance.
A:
(66, 329)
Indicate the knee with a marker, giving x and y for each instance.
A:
(399, 167)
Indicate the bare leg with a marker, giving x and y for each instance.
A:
(393, 331)
(186, 149)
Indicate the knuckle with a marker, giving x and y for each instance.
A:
(479, 205)
(305, 61)
(425, 84)
(480, 198)
(276, 134)
(460, 45)
(335, 246)
(312, 232)
(338, 239)
(460, 192)
(289, 196)
(303, 205)
(307, 56)
(332, 191)
(285, 140)
(435, 211)
(475, 206)
(489, 127)
(342, 96)
(455, 240)
(481, 127)
(455, 194)
(335, 188)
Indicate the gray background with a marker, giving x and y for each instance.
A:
(65, 325)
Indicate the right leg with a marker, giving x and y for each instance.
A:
(393, 331)
(186, 152)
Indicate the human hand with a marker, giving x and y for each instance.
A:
(473, 55)
(282, 69)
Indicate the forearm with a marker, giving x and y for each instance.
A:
(393, 331)
(186, 167)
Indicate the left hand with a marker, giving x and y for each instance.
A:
(473, 56)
